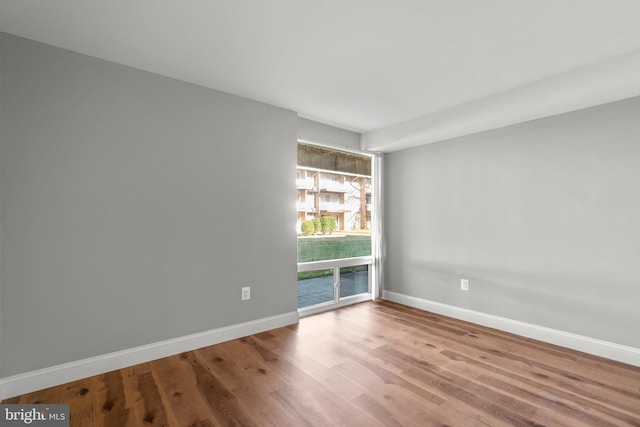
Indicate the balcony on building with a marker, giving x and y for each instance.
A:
(367, 187)
(333, 183)
(306, 183)
(333, 207)
(306, 206)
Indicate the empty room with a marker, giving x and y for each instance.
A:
(329, 213)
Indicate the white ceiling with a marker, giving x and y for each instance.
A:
(361, 64)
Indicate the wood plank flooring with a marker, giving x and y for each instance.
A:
(371, 364)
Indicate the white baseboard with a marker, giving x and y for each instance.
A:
(593, 346)
(60, 374)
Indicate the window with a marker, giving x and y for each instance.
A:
(334, 226)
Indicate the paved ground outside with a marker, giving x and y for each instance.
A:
(320, 289)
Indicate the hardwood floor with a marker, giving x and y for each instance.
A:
(371, 364)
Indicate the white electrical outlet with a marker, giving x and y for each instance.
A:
(246, 293)
(464, 284)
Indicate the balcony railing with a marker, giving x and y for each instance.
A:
(334, 187)
(333, 206)
(306, 206)
(305, 183)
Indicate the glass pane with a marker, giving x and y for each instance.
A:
(315, 287)
(334, 204)
(354, 280)
(319, 248)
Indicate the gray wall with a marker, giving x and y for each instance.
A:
(542, 217)
(2, 49)
(320, 133)
(134, 207)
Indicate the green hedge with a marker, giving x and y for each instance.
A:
(328, 224)
(324, 225)
(307, 228)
